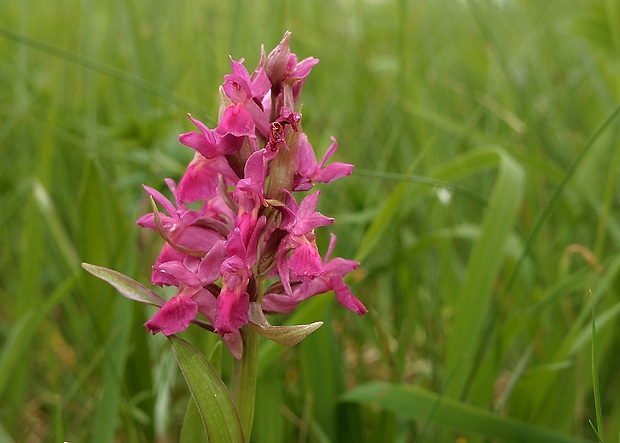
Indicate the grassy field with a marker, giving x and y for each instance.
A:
(484, 209)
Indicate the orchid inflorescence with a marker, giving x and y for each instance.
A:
(235, 234)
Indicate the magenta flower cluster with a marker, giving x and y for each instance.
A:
(235, 233)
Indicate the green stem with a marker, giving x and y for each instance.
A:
(244, 380)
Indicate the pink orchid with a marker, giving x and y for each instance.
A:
(233, 222)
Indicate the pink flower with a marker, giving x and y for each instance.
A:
(249, 194)
(244, 114)
(285, 72)
(184, 228)
(175, 315)
(201, 178)
(331, 279)
(233, 301)
(300, 221)
(310, 172)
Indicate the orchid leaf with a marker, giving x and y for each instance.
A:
(131, 289)
(287, 335)
(214, 403)
(284, 335)
(127, 287)
(192, 429)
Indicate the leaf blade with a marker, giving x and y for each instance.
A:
(421, 404)
(216, 407)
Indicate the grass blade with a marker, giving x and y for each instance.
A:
(475, 294)
(420, 404)
(600, 431)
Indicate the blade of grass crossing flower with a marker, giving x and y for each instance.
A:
(474, 296)
(99, 67)
(417, 403)
(214, 403)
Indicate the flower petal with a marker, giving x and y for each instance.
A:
(174, 316)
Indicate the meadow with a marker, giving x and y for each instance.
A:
(483, 208)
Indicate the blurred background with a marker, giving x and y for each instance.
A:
(484, 209)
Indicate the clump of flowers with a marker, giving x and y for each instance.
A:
(238, 242)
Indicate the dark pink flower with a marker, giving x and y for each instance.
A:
(249, 194)
(233, 301)
(202, 177)
(283, 70)
(331, 279)
(310, 172)
(182, 226)
(175, 315)
(297, 256)
(244, 114)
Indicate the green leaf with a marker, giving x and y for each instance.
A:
(284, 335)
(474, 297)
(215, 405)
(418, 403)
(243, 380)
(131, 289)
(193, 429)
(128, 287)
(315, 307)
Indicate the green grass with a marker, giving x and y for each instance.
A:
(484, 207)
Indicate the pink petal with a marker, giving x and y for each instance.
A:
(180, 273)
(305, 157)
(232, 312)
(201, 178)
(236, 121)
(174, 316)
(199, 143)
(345, 297)
(333, 172)
(305, 262)
(167, 253)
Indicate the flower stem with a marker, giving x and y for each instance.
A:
(244, 380)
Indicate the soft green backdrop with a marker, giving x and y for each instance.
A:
(484, 208)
